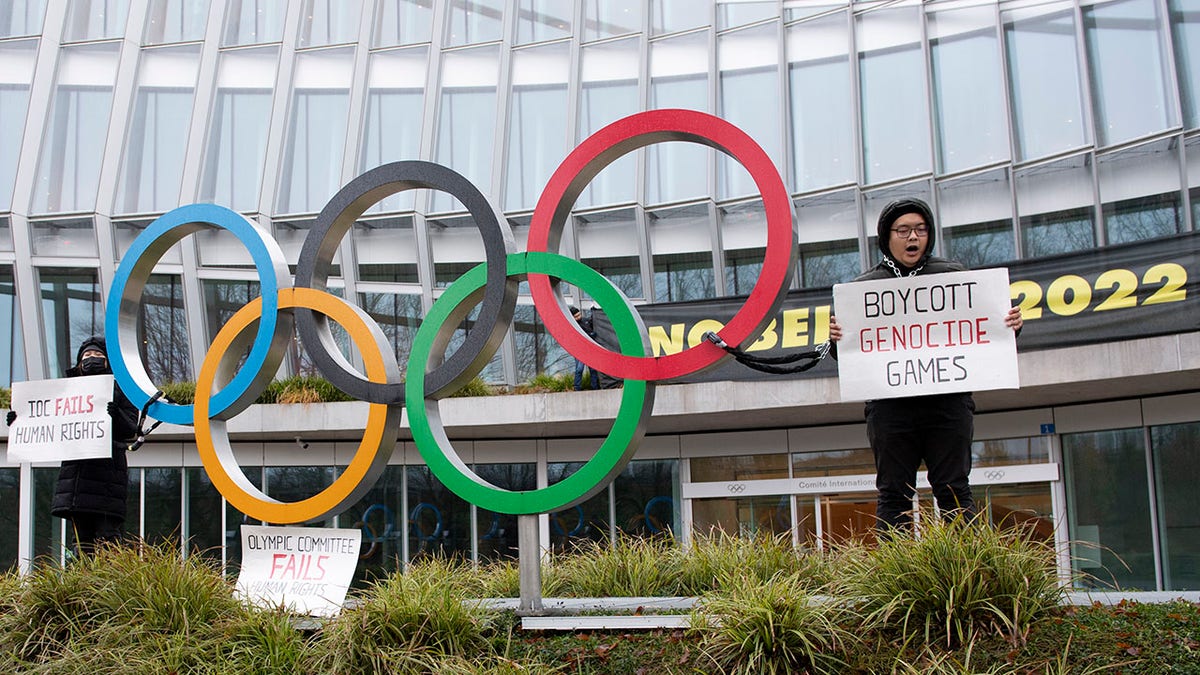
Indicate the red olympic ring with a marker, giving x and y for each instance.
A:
(601, 149)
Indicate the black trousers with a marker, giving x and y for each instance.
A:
(906, 431)
(94, 528)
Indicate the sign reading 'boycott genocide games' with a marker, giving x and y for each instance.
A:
(305, 569)
(929, 334)
(61, 419)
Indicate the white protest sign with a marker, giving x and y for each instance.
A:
(931, 334)
(61, 419)
(306, 569)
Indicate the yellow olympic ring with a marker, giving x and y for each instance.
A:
(383, 421)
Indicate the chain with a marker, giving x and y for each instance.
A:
(888, 261)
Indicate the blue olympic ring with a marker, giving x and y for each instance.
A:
(660, 499)
(389, 522)
(437, 528)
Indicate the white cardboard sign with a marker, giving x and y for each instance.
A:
(61, 419)
(930, 334)
(306, 569)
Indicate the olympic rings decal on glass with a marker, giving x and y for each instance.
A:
(223, 390)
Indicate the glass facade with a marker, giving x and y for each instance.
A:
(1032, 128)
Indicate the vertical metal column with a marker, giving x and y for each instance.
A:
(529, 564)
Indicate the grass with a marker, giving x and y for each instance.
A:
(961, 599)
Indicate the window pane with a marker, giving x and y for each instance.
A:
(678, 79)
(295, 483)
(47, 530)
(1055, 205)
(828, 235)
(73, 149)
(1027, 509)
(539, 20)
(16, 73)
(744, 238)
(748, 65)
(312, 166)
(21, 17)
(681, 245)
(439, 520)
(608, 243)
(162, 114)
(1185, 29)
(163, 514)
(249, 22)
(162, 331)
(1006, 451)
(66, 238)
(395, 109)
(386, 250)
(474, 22)
(538, 133)
(467, 118)
(378, 514)
(1128, 70)
(609, 92)
(821, 103)
(608, 18)
(647, 498)
(1043, 68)
(537, 352)
(237, 132)
(234, 519)
(175, 21)
(205, 534)
(1139, 191)
(71, 313)
(95, 19)
(966, 87)
(125, 231)
(12, 344)
(742, 12)
(399, 315)
(976, 219)
(497, 532)
(1174, 447)
(739, 467)
(1108, 502)
(222, 299)
(10, 504)
(895, 108)
(587, 522)
(669, 16)
(329, 22)
(403, 22)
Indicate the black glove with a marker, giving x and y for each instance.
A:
(12, 417)
(112, 408)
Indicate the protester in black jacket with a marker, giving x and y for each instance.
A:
(938, 429)
(91, 493)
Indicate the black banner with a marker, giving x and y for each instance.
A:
(1115, 293)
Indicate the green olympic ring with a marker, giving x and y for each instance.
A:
(637, 396)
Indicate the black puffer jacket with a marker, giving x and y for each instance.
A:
(98, 486)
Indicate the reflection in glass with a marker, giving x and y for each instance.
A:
(329, 22)
(748, 69)
(95, 19)
(69, 237)
(249, 22)
(1108, 504)
(234, 520)
(678, 79)
(71, 313)
(296, 483)
(895, 108)
(162, 112)
(1043, 68)
(21, 17)
(744, 238)
(222, 298)
(969, 104)
(1129, 70)
(1139, 192)
(541, 20)
(608, 92)
(669, 16)
(312, 165)
(537, 132)
(162, 330)
(399, 315)
(163, 514)
(438, 521)
(467, 118)
(1185, 31)
(681, 248)
(537, 352)
(608, 18)
(474, 22)
(386, 250)
(608, 243)
(1055, 205)
(827, 263)
(745, 517)
(17, 63)
(395, 109)
(47, 529)
(73, 145)
(497, 532)
(739, 467)
(12, 343)
(403, 22)
(821, 103)
(975, 215)
(1023, 509)
(203, 530)
(828, 235)
(833, 463)
(1003, 451)
(237, 132)
(588, 522)
(734, 14)
(1173, 448)
(647, 498)
(380, 516)
(10, 504)
(175, 21)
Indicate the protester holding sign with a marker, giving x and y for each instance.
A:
(91, 493)
(938, 428)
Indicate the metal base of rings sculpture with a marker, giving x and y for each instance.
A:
(263, 327)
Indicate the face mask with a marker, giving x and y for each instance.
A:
(93, 365)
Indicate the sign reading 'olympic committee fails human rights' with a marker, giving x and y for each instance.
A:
(930, 334)
(61, 419)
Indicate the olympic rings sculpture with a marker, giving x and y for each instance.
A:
(264, 326)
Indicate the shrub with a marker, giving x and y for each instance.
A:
(546, 383)
(955, 579)
(476, 387)
(713, 561)
(5, 397)
(630, 568)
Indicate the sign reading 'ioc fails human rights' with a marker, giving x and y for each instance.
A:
(930, 334)
(61, 419)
